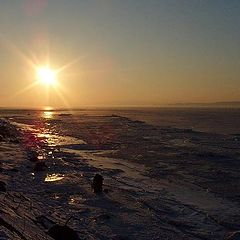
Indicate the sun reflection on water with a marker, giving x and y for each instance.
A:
(48, 114)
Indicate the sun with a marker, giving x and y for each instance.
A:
(46, 75)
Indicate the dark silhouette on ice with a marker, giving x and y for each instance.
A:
(59, 232)
(40, 166)
(97, 183)
(3, 186)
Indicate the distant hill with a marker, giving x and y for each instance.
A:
(214, 104)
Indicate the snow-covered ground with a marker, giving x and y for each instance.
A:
(160, 183)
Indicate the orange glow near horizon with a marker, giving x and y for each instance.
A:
(48, 108)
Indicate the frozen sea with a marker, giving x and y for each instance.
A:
(215, 120)
(169, 173)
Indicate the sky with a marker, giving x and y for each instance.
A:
(119, 53)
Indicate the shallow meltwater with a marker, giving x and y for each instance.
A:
(47, 136)
(57, 140)
(53, 177)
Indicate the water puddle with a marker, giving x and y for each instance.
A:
(53, 177)
(76, 200)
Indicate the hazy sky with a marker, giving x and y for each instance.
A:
(129, 52)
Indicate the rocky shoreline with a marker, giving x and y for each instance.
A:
(8, 132)
(16, 217)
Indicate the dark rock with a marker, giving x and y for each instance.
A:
(234, 236)
(103, 217)
(118, 237)
(32, 156)
(65, 114)
(44, 221)
(3, 186)
(40, 166)
(4, 131)
(14, 170)
(59, 232)
(7, 130)
(1, 138)
(15, 141)
(106, 190)
(97, 183)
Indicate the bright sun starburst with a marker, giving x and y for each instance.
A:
(46, 75)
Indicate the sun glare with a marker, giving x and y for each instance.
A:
(46, 75)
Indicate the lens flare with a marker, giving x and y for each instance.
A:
(46, 75)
